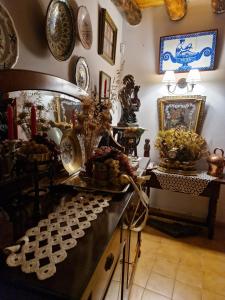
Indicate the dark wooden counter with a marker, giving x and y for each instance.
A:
(75, 272)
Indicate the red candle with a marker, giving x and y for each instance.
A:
(105, 88)
(10, 122)
(33, 121)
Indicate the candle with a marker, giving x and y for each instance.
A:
(33, 121)
(105, 87)
(10, 122)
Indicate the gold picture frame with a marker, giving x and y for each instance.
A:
(107, 37)
(181, 111)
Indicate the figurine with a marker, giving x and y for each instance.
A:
(147, 148)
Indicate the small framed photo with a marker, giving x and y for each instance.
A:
(104, 86)
(107, 37)
(65, 108)
(181, 111)
(183, 52)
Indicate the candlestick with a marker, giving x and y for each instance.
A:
(10, 122)
(33, 121)
(105, 88)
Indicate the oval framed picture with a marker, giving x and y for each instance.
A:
(82, 75)
(60, 29)
(84, 27)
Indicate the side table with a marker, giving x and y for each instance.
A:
(211, 191)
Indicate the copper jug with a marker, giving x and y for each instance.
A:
(216, 163)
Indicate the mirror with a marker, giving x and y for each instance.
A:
(54, 101)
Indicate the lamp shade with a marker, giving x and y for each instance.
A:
(169, 77)
(193, 76)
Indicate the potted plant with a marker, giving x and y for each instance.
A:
(180, 149)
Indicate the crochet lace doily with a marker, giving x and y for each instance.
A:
(194, 185)
(46, 245)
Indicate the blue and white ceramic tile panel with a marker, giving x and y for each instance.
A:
(181, 53)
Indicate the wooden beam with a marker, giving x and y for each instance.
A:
(149, 3)
(130, 10)
(176, 9)
(218, 6)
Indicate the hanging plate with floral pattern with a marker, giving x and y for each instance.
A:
(82, 76)
(60, 30)
(84, 27)
(9, 49)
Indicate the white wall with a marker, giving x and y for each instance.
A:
(141, 60)
(29, 19)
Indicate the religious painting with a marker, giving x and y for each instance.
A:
(183, 52)
(181, 111)
(65, 109)
(107, 37)
(104, 86)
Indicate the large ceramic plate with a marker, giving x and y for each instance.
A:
(84, 27)
(82, 76)
(71, 152)
(60, 29)
(9, 49)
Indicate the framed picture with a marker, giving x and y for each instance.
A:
(65, 109)
(183, 52)
(181, 111)
(104, 85)
(107, 37)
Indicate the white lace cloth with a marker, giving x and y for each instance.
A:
(194, 185)
(46, 244)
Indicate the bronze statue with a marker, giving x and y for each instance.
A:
(129, 101)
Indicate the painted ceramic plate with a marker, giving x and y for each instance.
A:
(60, 30)
(84, 27)
(9, 49)
(82, 76)
(71, 152)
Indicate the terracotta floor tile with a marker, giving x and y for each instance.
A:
(214, 283)
(206, 295)
(185, 292)
(149, 295)
(136, 292)
(191, 260)
(160, 284)
(164, 267)
(113, 291)
(170, 252)
(142, 274)
(189, 275)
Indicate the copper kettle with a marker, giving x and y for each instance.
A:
(216, 163)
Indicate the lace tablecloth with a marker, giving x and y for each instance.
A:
(44, 246)
(194, 185)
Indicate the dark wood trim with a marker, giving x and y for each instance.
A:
(18, 80)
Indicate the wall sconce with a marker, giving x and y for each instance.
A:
(193, 78)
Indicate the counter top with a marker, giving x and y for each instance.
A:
(74, 273)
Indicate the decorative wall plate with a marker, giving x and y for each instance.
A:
(9, 49)
(82, 76)
(60, 29)
(71, 152)
(84, 27)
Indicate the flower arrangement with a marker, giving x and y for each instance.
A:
(180, 144)
(180, 148)
(92, 122)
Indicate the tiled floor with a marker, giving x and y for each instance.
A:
(180, 269)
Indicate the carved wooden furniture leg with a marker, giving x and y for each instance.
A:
(211, 218)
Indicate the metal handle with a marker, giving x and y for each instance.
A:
(220, 150)
(109, 262)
